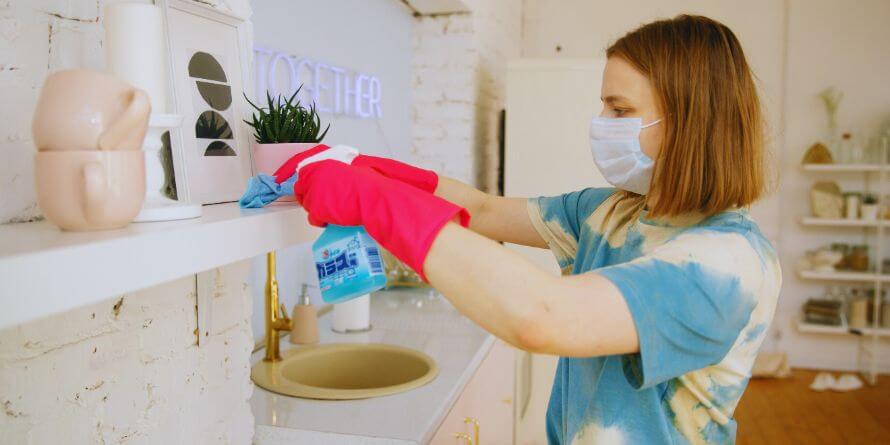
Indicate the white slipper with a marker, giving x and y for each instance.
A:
(847, 382)
(823, 381)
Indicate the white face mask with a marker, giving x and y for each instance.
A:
(615, 145)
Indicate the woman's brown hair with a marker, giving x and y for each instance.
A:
(712, 155)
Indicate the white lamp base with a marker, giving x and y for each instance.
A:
(158, 207)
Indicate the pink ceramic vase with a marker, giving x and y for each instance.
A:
(89, 110)
(90, 189)
(268, 157)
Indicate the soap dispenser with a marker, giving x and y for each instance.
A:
(305, 320)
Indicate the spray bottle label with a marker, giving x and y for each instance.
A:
(347, 260)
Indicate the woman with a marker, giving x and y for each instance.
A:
(668, 286)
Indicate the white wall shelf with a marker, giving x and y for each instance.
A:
(862, 277)
(841, 222)
(880, 332)
(44, 271)
(812, 328)
(851, 168)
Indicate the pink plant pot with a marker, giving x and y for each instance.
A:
(268, 157)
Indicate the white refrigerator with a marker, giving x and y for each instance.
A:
(549, 106)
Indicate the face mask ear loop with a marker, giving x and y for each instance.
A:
(650, 124)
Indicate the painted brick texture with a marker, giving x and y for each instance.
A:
(130, 370)
(459, 84)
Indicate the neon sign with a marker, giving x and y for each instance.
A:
(333, 89)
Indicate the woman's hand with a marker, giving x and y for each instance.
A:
(402, 218)
(425, 180)
(496, 217)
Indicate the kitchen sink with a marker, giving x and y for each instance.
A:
(345, 371)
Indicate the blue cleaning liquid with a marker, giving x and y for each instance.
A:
(348, 263)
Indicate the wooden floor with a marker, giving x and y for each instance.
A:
(788, 412)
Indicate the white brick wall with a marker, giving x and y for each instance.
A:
(99, 374)
(36, 37)
(443, 87)
(460, 65)
(498, 25)
(129, 369)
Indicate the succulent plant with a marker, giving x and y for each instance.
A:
(869, 199)
(284, 120)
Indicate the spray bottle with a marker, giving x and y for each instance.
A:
(348, 263)
(346, 258)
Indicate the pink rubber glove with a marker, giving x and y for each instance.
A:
(287, 169)
(426, 180)
(402, 218)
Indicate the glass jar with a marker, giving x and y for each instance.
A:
(857, 151)
(844, 148)
(852, 200)
(834, 293)
(857, 313)
(873, 150)
(858, 258)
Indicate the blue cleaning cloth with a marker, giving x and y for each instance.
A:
(262, 189)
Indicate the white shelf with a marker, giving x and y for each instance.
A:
(812, 328)
(867, 364)
(45, 271)
(880, 332)
(841, 222)
(842, 276)
(842, 167)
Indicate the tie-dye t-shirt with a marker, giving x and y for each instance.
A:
(702, 293)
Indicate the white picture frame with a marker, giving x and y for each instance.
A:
(194, 28)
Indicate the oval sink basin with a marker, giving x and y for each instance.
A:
(345, 371)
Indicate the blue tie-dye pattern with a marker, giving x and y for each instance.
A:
(724, 395)
(756, 333)
(688, 317)
(677, 339)
(714, 433)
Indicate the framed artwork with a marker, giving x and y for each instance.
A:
(209, 64)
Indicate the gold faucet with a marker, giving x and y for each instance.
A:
(276, 315)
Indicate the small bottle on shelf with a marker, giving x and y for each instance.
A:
(852, 201)
(850, 150)
(885, 311)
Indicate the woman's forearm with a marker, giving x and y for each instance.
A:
(495, 217)
(464, 195)
(583, 315)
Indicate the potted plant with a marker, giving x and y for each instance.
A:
(282, 129)
(869, 208)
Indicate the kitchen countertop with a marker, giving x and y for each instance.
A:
(420, 319)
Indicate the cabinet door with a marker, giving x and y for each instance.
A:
(488, 399)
